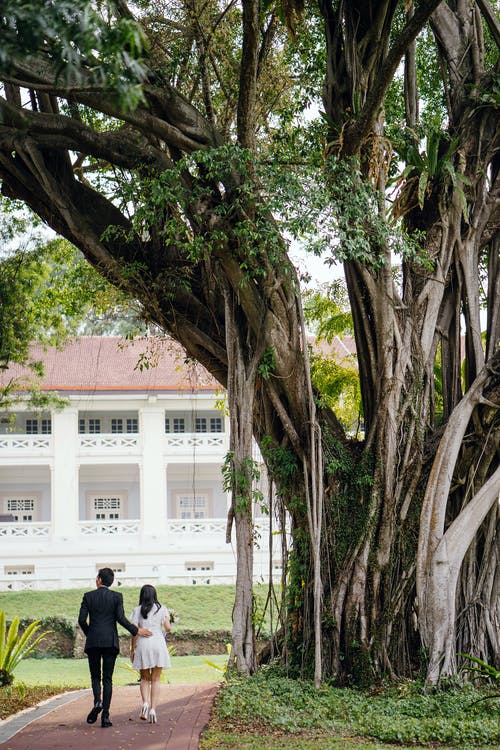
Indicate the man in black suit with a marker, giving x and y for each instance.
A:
(100, 610)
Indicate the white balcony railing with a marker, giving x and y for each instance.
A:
(107, 528)
(190, 526)
(176, 527)
(25, 443)
(101, 442)
(27, 529)
(187, 441)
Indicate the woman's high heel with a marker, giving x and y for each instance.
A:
(144, 712)
(152, 716)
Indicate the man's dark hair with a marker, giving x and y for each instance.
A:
(106, 575)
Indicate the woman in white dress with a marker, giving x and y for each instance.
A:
(150, 655)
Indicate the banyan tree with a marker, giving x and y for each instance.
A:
(167, 141)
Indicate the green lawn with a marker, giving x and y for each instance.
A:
(199, 608)
(75, 672)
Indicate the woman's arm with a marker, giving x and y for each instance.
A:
(166, 622)
(133, 643)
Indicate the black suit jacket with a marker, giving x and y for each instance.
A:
(100, 610)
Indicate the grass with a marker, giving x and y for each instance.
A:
(74, 673)
(269, 712)
(199, 608)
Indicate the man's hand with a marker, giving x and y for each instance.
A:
(144, 632)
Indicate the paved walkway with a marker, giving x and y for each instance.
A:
(60, 724)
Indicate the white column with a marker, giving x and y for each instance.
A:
(153, 472)
(65, 473)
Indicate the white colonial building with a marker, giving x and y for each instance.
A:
(127, 474)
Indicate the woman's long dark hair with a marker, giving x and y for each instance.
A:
(147, 598)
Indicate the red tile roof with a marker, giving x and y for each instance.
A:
(111, 363)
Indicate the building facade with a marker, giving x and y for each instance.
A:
(127, 474)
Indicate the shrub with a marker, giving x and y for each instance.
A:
(15, 646)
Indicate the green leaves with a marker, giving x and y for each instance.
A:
(424, 169)
(80, 45)
(15, 646)
(47, 294)
(270, 702)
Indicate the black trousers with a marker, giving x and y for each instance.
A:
(101, 666)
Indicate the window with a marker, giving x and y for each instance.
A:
(133, 424)
(39, 426)
(116, 425)
(21, 508)
(32, 426)
(215, 424)
(192, 506)
(201, 570)
(200, 424)
(115, 567)
(178, 424)
(167, 424)
(91, 426)
(195, 567)
(19, 570)
(106, 507)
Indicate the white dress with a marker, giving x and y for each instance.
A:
(151, 651)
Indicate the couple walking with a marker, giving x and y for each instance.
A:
(100, 611)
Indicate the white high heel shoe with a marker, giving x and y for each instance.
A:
(152, 716)
(144, 712)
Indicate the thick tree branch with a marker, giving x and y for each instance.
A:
(248, 74)
(490, 18)
(361, 127)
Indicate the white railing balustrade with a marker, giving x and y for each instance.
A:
(109, 442)
(26, 529)
(15, 584)
(196, 526)
(186, 441)
(25, 442)
(106, 528)
(209, 526)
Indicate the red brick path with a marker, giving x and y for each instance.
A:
(183, 712)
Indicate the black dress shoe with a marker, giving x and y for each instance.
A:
(92, 717)
(105, 722)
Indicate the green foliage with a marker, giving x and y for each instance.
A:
(240, 480)
(399, 713)
(84, 45)
(267, 364)
(432, 100)
(14, 646)
(327, 311)
(482, 671)
(222, 668)
(49, 293)
(349, 506)
(164, 205)
(281, 463)
(354, 228)
(424, 169)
